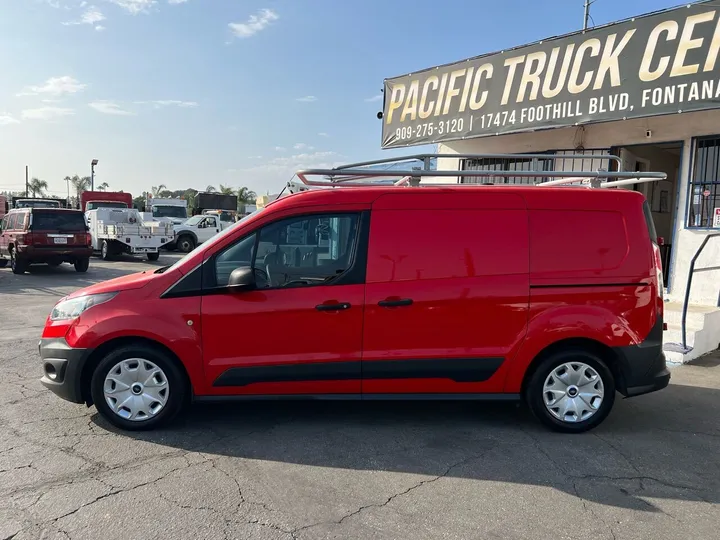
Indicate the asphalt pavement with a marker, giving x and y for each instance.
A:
(342, 470)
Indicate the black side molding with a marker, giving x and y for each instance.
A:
(456, 369)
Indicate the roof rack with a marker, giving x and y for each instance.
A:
(361, 174)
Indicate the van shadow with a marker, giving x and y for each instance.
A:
(659, 446)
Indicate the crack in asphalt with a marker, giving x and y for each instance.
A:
(392, 497)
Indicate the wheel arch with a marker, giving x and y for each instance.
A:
(604, 352)
(124, 341)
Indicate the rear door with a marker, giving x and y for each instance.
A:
(58, 227)
(447, 292)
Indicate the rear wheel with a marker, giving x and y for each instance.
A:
(138, 388)
(571, 391)
(186, 243)
(18, 266)
(153, 256)
(82, 265)
(105, 252)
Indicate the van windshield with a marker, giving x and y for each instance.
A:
(94, 205)
(169, 212)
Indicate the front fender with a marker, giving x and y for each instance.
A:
(553, 324)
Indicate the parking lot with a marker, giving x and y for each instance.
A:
(342, 470)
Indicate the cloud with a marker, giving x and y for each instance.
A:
(135, 6)
(177, 1)
(254, 24)
(306, 99)
(46, 113)
(55, 86)
(99, 28)
(289, 165)
(323, 134)
(280, 148)
(374, 99)
(302, 146)
(92, 16)
(157, 104)
(109, 107)
(6, 119)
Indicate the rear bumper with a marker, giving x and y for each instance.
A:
(41, 254)
(62, 368)
(642, 368)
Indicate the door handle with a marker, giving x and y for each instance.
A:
(338, 306)
(395, 302)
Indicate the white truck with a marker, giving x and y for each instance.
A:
(122, 230)
(196, 230)
(172, 210)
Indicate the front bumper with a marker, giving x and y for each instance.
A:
(62, 368)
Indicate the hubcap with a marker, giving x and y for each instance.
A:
(136, 389)
(573, 392)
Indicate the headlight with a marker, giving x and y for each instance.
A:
(71, 309)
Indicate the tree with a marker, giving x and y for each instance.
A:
(37, 187)
(226, 190)
(246, 195)
(103, 186)
(79, 184)
(157, 190)
(139, 202)
(210, 189)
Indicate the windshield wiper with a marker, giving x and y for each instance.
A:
(161, 270)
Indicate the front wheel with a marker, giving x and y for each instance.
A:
(571, 391)
(138, 388)
(105, 250)
(186, 243)
(82, 265)
(153, 256)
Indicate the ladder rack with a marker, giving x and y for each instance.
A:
(360, 175)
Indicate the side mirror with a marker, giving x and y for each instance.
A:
(242, 278)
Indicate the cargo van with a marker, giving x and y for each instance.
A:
(550, 295)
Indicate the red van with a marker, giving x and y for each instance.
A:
(551, 295)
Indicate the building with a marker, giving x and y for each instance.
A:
(646, 89)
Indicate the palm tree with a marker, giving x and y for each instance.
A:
(157, 190)
(246, 195)
(37, 187)
(226, 190)
(79, 184)
(103, 186)
(210, 189)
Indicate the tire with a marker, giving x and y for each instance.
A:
(105, 251)
(185, 243)
(3, 263)
(153, 256)
(175, 385)
(571, 361)
(18, 266)
(82, 265)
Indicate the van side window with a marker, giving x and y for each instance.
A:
(295, 252)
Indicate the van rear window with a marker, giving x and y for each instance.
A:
(58, 221)
(650, 223)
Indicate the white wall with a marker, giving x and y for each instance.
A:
(678, 127)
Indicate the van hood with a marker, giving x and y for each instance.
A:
(122, 283)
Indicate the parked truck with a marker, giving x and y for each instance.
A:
(38, 202)
(172, 210)
(122, 230)
(92, 200)
(215, 201)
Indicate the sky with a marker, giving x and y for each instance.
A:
(191, 93)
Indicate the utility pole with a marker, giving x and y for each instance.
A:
(586, 18)
(67, 181)
(27, 184)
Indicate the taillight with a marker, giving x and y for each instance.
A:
(25, 239)
(657, 262)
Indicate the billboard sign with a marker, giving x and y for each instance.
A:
(661, 63)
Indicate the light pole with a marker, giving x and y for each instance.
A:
(92, 174)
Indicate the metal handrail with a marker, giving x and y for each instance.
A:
(691, 272)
